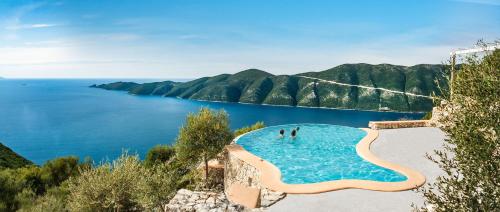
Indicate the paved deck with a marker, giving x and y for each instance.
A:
(402, 146)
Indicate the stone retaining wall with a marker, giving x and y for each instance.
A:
(238, 171)
(376, 125)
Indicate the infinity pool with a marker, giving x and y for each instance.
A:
(319, 153)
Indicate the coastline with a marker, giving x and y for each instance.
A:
(298, 106)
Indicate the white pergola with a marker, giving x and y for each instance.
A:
(453, 54)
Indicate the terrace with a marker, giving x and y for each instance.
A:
(406, 147)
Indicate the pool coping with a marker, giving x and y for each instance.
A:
(270, 175)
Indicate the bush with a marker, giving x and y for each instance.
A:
(54, 172)
(124, 185)
(246, 129)
(10, 185)
(471, 159)
(21, 187)
(159, 154)
(53, 200)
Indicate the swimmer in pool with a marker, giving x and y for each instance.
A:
(294, 133)
(282, 133)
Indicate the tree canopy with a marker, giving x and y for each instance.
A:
(203, 136)
(471, 155)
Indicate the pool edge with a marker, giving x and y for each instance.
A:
(270, 175)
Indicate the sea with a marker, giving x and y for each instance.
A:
(42, 119)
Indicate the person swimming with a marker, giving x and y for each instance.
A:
(282, 133)
(294, 132)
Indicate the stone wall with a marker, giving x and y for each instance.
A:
(238, 171)
(438, 113)
(376, 125)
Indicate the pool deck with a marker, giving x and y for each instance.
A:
(271, 175)
(401, 146)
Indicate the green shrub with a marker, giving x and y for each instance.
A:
(54, 172)
(53, 200)
(159, 154)
(124, 185)
(471, 159)
(22, 187)
(10, 186)
(161, 186)
(246, 129)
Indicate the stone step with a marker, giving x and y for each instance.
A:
(244, 195)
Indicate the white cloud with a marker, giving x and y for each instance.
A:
(12, 23)
(29, 26)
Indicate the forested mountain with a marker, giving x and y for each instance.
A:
(332, 88)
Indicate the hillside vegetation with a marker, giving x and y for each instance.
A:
(259, 87)
(10, 159)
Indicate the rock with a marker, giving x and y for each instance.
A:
(205, 201)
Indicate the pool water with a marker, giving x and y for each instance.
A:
(319, 153)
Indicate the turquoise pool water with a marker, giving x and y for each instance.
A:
(319, 153)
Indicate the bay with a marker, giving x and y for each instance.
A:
(47, 118)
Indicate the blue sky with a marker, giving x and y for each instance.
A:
(189, 39)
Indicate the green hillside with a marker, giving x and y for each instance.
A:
(259, 87)
(10, 159)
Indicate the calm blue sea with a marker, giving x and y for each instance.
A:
(44, 119)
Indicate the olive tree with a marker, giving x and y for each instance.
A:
(124, 185)
(202, 137)
(471, 155)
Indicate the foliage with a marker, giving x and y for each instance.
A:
(53, 200)
(124, 185)
(202, 137)
(161, 186)
(471, 159)
(10, 185)
(246, 129)
(159, 154)
(22, 185)
(10, 159)
(56, 171)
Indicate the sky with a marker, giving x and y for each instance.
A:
(189, 39)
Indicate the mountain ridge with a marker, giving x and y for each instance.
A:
(310, 89)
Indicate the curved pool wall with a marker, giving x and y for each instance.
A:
(319, 153)
(246, 168)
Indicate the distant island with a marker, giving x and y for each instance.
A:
(349, 86)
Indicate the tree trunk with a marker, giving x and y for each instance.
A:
(206, 171)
